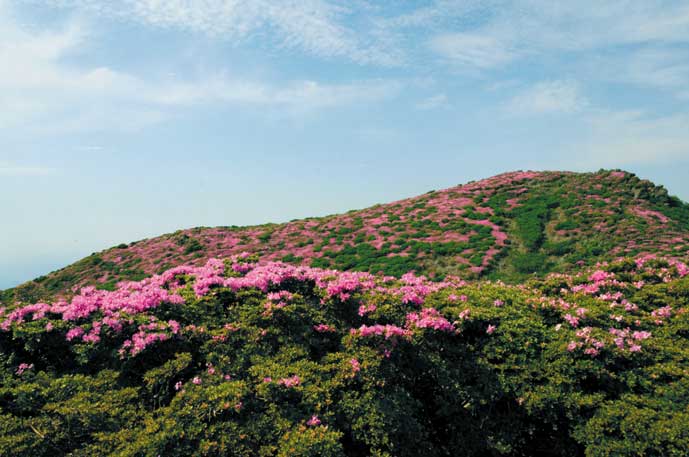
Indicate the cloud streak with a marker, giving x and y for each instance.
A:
(477, 50)
(41, 92)
(548, 97)
(632, 138)
(317, 27)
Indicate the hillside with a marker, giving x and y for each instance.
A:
(247, 358)
(274, 346)
(510, 227)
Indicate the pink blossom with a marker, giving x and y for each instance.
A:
(429, 318)
(388, 331)
(573, 321)
(591, 351)
(600, 275)
(641, 335)
(628, 306)
(76, 332)
(23, 367)
(322, 328)
(196, 380)
(292, 381)
(279, 296)
(314, 421)
(366, 309)
(491, 328)
(356, 366)
(663, 312)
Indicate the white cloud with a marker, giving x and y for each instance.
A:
(296, 96)
(41, 92)
(494, 33)
(437, 12)
(547, 98)
(666, 69)
(585, 24)
(633, 137)
(314, 26)
(472, 49)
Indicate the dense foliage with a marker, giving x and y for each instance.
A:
(239, 357)
(508, 227)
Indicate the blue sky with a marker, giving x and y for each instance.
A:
(121, 120)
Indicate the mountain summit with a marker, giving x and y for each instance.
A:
(510, 226)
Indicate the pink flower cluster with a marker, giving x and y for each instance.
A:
(591, 344)
(292, 381)
(661, 314)
(281, 296)
(23, 367)
(92, 313)
(430, 318)
(572, 320)
(346, 283)
(600, 276)
(388, 331)
(323, 328)
(109, 308)
(367, 309)
(632, 341)
(148, 334)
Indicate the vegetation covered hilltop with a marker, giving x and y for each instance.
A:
(547, 315)
(508, 227)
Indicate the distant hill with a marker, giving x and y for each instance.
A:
(510, 227)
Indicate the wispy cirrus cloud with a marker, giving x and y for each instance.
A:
(665, 68)
(547, 97)
(317, 27)
(482, 51)
(544, 24)
(41, 91)
(492, 35)
(619, 138)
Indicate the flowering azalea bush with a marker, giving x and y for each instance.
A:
(242, 357)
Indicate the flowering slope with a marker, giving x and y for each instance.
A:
(506, 227)
(241, 357)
